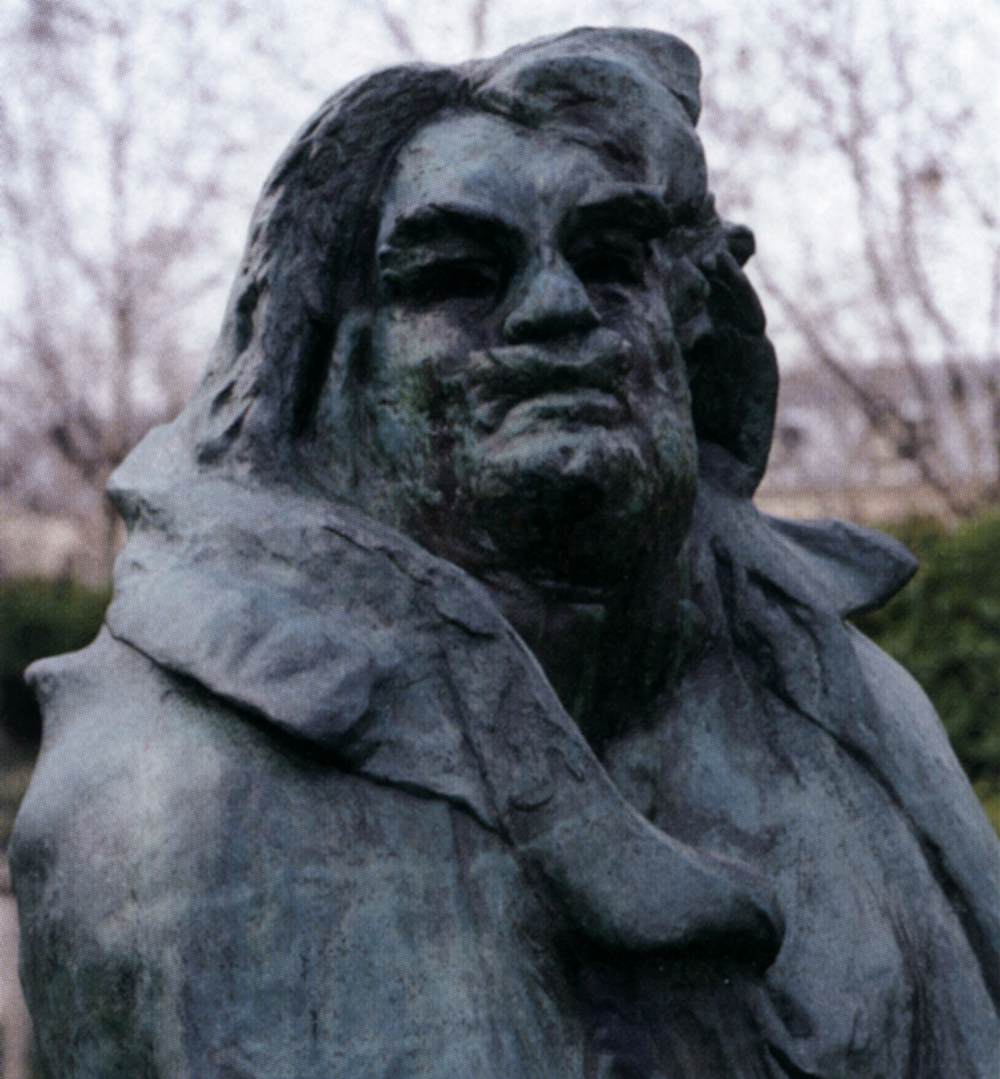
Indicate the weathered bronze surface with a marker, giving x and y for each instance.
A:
(457, 714)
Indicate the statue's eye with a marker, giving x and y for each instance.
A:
(441, 280)
(619, 262)
(459, 279)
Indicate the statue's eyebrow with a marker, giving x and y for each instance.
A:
(439, 220)
(638, 208)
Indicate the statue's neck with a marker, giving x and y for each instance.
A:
(608, 652)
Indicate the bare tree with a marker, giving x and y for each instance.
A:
(119, 176)
(891, 252)
(472, 19)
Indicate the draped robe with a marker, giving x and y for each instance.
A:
(273, 829)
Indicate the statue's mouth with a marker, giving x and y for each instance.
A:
(580, 407)
(579, 384)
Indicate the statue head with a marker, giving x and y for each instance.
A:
(493, 306)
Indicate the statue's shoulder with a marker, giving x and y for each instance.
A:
(935, 795)
(852, 570)
(857, 569)
(896, 729)
(827, 565)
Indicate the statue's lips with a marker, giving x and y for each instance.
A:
(578, 384)
(580, 407)
(568, 409)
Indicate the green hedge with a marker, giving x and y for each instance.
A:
(945, 628)
(40, 618)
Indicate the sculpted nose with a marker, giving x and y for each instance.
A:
(553, 302)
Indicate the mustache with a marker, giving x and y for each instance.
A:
(598, 361)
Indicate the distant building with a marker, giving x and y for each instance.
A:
(828, 460)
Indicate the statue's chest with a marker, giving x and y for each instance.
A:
(751, 778)
(205, 899)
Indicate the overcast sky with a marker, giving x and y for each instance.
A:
(800, 207)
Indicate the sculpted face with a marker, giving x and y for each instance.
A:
(531, 399)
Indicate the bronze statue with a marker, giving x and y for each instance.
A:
(457, 713)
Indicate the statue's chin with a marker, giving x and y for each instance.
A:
(575, 506)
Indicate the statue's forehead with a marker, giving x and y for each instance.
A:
(467, 142)
(490, 164)
(493, 163)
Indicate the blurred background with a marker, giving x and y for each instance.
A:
(858, 140)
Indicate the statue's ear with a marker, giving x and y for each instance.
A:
(740, 241)
(734, 384)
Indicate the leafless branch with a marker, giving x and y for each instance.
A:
(880, 411)
(398, 29)
(478, 13)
